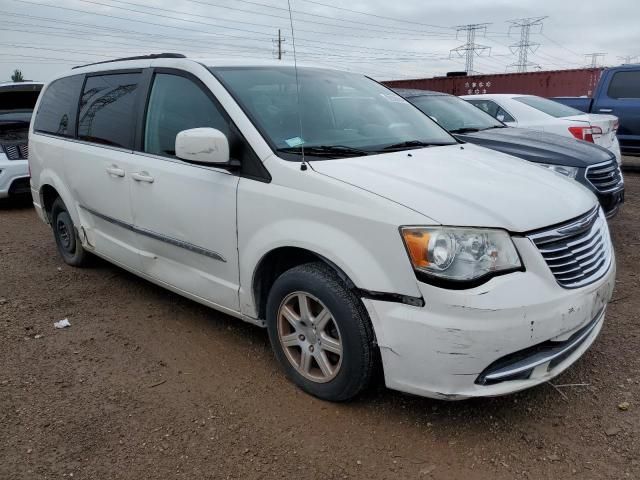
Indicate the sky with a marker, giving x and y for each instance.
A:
(381, 38)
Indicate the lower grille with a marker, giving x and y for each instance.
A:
(605, 177)
(578, 252)
(519, 365)
(16, 151)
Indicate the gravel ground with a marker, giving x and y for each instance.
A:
(148, 385)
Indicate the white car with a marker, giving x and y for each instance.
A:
(323, 206)
(538, 113)
(16, 107)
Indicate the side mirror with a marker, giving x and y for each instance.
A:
(206, 146)
(500, 117)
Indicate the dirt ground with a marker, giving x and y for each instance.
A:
(148, 385)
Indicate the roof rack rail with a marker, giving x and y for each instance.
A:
(140, 57)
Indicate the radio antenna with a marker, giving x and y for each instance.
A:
(303, 165)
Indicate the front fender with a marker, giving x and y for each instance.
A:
(362, 241)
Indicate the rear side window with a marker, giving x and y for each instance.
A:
(107, 109)
(57, 110)
(625, 85)
(493, 109)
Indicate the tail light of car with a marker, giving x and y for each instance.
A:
(585, 133)
(616, 125)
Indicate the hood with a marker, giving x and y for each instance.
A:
(538, 146)
(466, 186)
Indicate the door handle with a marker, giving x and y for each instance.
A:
(142, 177)
(605, 110)
(115, 171)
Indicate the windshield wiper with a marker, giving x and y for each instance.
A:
(465, 130)
(412, 144)
(326, 150)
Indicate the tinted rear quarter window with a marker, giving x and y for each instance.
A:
(625, 85)
(57, 110)
(107, 109)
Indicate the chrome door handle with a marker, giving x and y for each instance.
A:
(605, 110)
(142, 177)
(115, 171)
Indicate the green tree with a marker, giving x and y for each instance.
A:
(17, 76)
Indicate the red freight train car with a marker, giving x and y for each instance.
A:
(553, 83)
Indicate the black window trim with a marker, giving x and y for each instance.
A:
(147, 83)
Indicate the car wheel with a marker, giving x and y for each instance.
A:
(66, 235)
(321, 333)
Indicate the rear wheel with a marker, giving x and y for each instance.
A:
(320, 332)
(66, 236)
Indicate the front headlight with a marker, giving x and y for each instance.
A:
(460, 254)
(570, 172)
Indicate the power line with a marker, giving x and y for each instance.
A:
(349, 27)
(373, 14)
(471, 49)
(303, 39)
(525, 45)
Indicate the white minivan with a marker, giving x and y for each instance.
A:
(323, 206)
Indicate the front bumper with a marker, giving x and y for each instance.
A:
(12, 173)
(446, 348)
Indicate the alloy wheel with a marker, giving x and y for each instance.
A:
(310, 337)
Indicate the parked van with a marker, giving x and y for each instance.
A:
(323, 206)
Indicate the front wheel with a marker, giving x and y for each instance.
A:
(320, 332)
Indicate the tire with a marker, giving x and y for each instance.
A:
(69, 246)
(293, 332)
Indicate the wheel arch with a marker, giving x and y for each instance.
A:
(50, 187)
(277, 261)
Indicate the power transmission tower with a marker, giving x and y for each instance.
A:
(277, 43)
(471, 49)
(627, 59)
(594, 58)
(525, 45)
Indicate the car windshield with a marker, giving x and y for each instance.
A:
(454, 114)
(17, 106)
(549, 107)
(338, 114)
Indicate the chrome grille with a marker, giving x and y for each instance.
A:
(605, 177)
(578, 252)
(16, 151)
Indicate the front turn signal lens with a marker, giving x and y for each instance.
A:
(417, 242)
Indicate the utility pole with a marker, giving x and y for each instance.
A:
(471, 49)
(594, 58)
(627, 59)
(525, 45)
(278, 51)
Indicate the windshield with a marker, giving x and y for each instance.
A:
(454, 114)
(549, 107)
(17, 106)
(340, 114)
